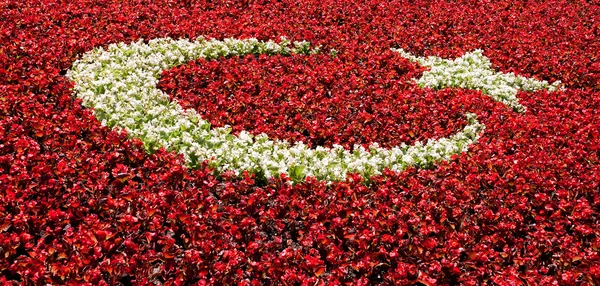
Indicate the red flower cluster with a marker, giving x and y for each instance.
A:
(350, 99)
(81, 204)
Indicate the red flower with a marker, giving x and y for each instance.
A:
(81, 204)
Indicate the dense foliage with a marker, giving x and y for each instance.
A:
(81, 203)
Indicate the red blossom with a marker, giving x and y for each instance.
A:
(84, 205)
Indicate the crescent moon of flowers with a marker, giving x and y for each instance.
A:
(120, 84)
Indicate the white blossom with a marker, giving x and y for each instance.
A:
(119, 83)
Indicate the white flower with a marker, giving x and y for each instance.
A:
(473, 71)
(120, 84)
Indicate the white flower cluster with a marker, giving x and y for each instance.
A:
(474, 71)
(119, 83)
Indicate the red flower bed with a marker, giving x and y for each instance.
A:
(81, 204)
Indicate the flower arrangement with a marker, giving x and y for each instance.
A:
(132, 156)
